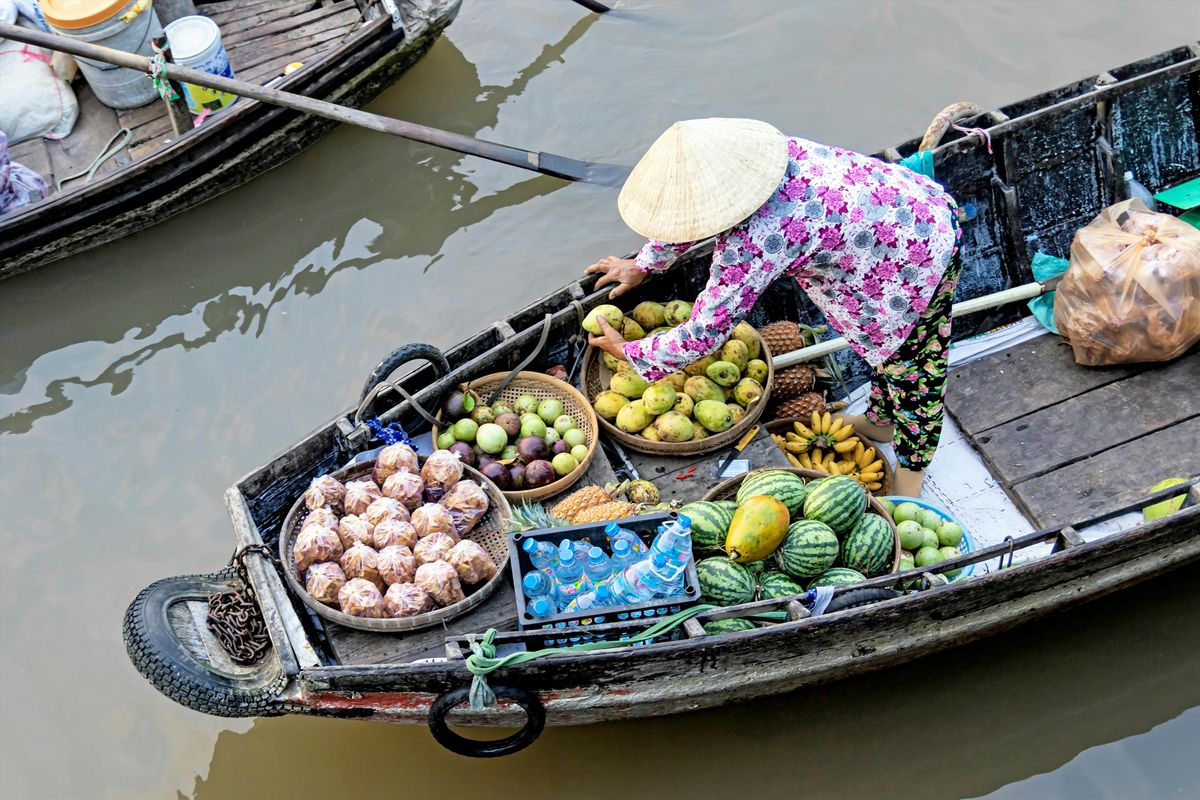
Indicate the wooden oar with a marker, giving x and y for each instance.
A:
(1014, 295)
(546, 163)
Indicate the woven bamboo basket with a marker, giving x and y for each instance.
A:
(727, 490)
(595, 378)
(783, 425)
(490, 532)
(575, 405)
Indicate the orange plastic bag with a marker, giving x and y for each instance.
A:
(1132, 292)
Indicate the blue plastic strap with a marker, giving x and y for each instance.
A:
(392, 433)
(920, 162)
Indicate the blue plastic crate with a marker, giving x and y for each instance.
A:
(968, 542)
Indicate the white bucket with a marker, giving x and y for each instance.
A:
(122, 26)
(196, 43)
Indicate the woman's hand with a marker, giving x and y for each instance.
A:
(621, 271)
(610, 341)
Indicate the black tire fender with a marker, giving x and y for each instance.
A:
(535, 721)
(401, 356)
(860, 597)
(173, 669)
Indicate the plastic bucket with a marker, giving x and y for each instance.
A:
(128, 26)
(196, 43)
(968, 543)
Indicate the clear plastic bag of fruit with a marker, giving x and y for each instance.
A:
(324, 582)
(440, 472)
(361, 598)
(397, 565)
(407, 600)
(392, 459)
(315, 543)
(432, 518)
(359, 495)
(467, 502)
(434, 547)
(440, 580)
(1132, 291)
(473, 563)
(325, 491)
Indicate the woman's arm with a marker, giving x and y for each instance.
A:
(656, 256)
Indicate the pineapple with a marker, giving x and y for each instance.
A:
(801, 406)
(783, 337)
(532, 516)
(574, 504)
(614, 509)
(792, 382)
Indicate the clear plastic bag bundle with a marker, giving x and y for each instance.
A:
(394, 531)
(441, 471)
(407, 600)
(397, 565)
(472, 562)
(353, 530)
(315, 543)
(406, 487)
(467, 503)
(434, 547)
(383, 508)
(323, 517)
(325, 492)
(359, 495)
(361, 561)
(361, 598)
(324, 582)
(432, 518)
(440, 580)
(392, 459)
(1132, 291)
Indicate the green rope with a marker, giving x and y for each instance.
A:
(483, 661)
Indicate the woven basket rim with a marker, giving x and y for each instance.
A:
(785, 423)
(497, 505)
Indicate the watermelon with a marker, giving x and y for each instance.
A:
(809, 549)
(756, 567)
(786, 487)
(775, 584)
(838, 501)
(870, 546)
(727, 626)
(724, 582)
(710, 521)
(838, 576)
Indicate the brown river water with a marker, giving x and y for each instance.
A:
(138, 381)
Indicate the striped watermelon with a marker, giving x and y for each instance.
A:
(809, 549)
(838, 501)
(870, 546)
(710, 521)
(775, 584)
(786, 487)
(720, 626)
(724, 582)
(838, 576)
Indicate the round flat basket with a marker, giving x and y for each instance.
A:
(575, 405)
(727, 490)
(595, 378)
(784, 424)
(490, 532)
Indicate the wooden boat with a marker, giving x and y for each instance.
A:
(351, 50)
(1055, 161)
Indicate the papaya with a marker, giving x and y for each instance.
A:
(759, 526)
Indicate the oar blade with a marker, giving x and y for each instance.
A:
(586, 171)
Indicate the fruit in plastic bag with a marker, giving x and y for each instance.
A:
(324, 581)
(407, 600)
(393, 531)
(397, 565)
(405, 487)
(440, 580)
(323, 517)
(325, 492)
(441, 471)
(352, 530)
(433, 518)
(361, 561)
(359, 495)
(383, 508)
(467, 502)
(473, 563)
(434, 547)
(361, 598)
(314, 544)
(392, 459)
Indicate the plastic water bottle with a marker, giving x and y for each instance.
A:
(1135, 189)
(541, 607)
(542, 555)
(616, 533)
(568, 573)
(623, 556)
(582, 546)
(639, 582)
(596, 598)
(537, 584)
(674, 541)
(597, 568)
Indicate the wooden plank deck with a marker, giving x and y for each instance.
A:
(1070, 442)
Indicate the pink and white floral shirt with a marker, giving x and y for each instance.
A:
(867, 240)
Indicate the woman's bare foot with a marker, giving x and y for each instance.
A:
(908, 483)
(874, 432)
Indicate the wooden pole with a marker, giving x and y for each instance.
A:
(594, 5)
(177, 109)
(546, 163)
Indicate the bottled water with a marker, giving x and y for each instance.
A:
(537, 584)
(568, 573)
(597, 568)
(541, 607)
(616, 533)
(542, 555)
(582, 546)
(622, 556)
(597, 598)
(639, 582)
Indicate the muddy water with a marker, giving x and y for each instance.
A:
(138, 381)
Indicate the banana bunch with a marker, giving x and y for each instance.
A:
(829, 445)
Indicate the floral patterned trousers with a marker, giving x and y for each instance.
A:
(907, 389)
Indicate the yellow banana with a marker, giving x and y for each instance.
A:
(874, 487)
(835, 426)
(846, 467)
(858, 450)
(805, 461)
(816, 422)
(803, 430)
(869, 477)
(866, 457)
(874, 466)
(843, 434)
(795, 447)
(826, 421)
(795, 462)
(846, 446)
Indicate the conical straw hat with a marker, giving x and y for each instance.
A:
(702, 177)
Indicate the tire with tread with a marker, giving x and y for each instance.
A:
(860, 597)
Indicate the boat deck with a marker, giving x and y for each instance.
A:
(261, 37)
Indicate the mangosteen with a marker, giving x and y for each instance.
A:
(483, 460)
(559, 447)
(498, 474)
(516, 474)
(511, 424)
(532, 448)
(459, 403)
(465, 453)
(557, 371)
(539, 473)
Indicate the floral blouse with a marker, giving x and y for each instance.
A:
(867, 240)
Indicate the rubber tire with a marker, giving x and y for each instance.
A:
(535, 723)
(161, 658)
(860, 597)
(401, 356)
